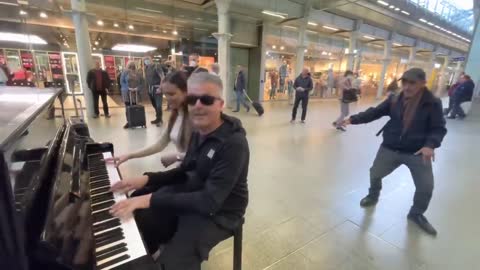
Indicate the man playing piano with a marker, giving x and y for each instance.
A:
(192, 208)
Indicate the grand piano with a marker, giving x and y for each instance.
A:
(54, 192)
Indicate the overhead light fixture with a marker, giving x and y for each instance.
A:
(22, 38)
(100, 22)
(392, 6)
(437, 65)
(324, 53)
(396, 44)
(23, 12)
(436, 26)
(275, 14)
(96, 42)
(131, 27)
(305, 50)
(164, 31)
(43, 15)
(289, 26)
(94, 48)
(369, 37)
(133, 48)
(329, 54)
(9, 4)
(355, 51)
(330, 28)
(312, 23)
(115, 25)
(404, 12)
(423, 20)
(383, 3)
(174, 32)
(274, 46)
(430, 23)
(397, 9)
(347, 51)
(282, 48)
(149, 10)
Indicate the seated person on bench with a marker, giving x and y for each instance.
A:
(192, 208)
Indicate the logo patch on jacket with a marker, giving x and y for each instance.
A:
(210, 153)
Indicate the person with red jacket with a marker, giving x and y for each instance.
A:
(451, 93)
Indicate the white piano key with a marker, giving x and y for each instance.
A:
(132, 236)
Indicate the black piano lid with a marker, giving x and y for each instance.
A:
(19, 106)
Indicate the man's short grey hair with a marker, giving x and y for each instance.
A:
(205, 77)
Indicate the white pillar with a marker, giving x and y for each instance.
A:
(431, 67)
(387, 53)
(301, 38)
(411, 57)
(263, 59)
(223, 37)
(358, 60)
(458, 70)
(352, 47)
(443, 76)
(84, 51)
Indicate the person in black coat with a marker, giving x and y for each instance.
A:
(416, 127)
(463, 93)
(303, 85)
(239, 88)
(99, 83)
(192, 208)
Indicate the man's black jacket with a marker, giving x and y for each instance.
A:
(427, 128)
(212, 179)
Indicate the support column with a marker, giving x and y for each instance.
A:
(443, 77)
(387, 54)
(84, 52)
(358, 60)
(263, 59)
(458, 70)
(431, 70)
(352, 48)
(301, 38)
(472, 65)
(411, 57)
(223, 39)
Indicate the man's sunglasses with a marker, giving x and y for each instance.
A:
(205, 100)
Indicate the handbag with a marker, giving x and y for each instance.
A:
(350, 95)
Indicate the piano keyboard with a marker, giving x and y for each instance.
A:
(116, 241)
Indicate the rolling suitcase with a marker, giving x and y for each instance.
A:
(135, 113)
(256, 105)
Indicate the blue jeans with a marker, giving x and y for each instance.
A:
(241, 99)
(156, 100)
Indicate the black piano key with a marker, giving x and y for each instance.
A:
(104, 205)
(106, 225)
(100, 190)
(98, 172)
(101, 216)
(111, 254)
(102, 198)
(99, 184)
(109, 241)
(108, 234)
(110, 249)
(114, 261)
(98, 177)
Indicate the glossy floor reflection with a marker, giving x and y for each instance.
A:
(306, 181)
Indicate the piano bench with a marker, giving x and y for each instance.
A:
(237, 247)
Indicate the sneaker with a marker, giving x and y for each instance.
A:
(341, 129)
(368, 201)
(235, 111)
(303, 121)
(159, 123)
(248, 109)
(156, 121)
(95, 116)
(126, 126)
(423, 223)
(451, 117)
(334, 124)
(292, 121)
(107, 115)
